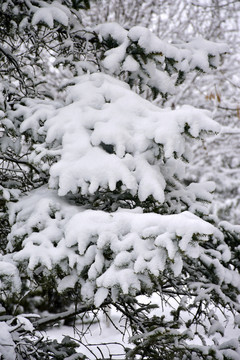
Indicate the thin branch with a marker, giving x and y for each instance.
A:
(6, 158)
(63, 315)
(215, 6)
(14, 62)
(66, 314)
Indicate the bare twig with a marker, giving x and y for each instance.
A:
(63, 315)
(17, 161)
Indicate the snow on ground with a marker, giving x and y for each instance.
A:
(99, 334)
(104, 338)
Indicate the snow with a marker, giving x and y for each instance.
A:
(105, 114)
(114, 30)
(49, 14)
(68, 282)
(7, 346)
(119, 249)
(43, 15)
(102, 136)
(108, 333)
(9, 276)
(100, 333)
(130, 64)
(114, 57)
(151, 43)
(150, 62)
(25, 323)
(104, 141)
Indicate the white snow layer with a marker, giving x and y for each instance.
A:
(116, 251)
(49, 13)
(140, 45)
(7, 346)
(106, 134)
(9, 276)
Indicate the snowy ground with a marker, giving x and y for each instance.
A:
(104, 339)
(96, 337)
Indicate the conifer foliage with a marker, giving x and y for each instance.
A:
(94, 208)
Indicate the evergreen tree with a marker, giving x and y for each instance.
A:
(95, 209)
